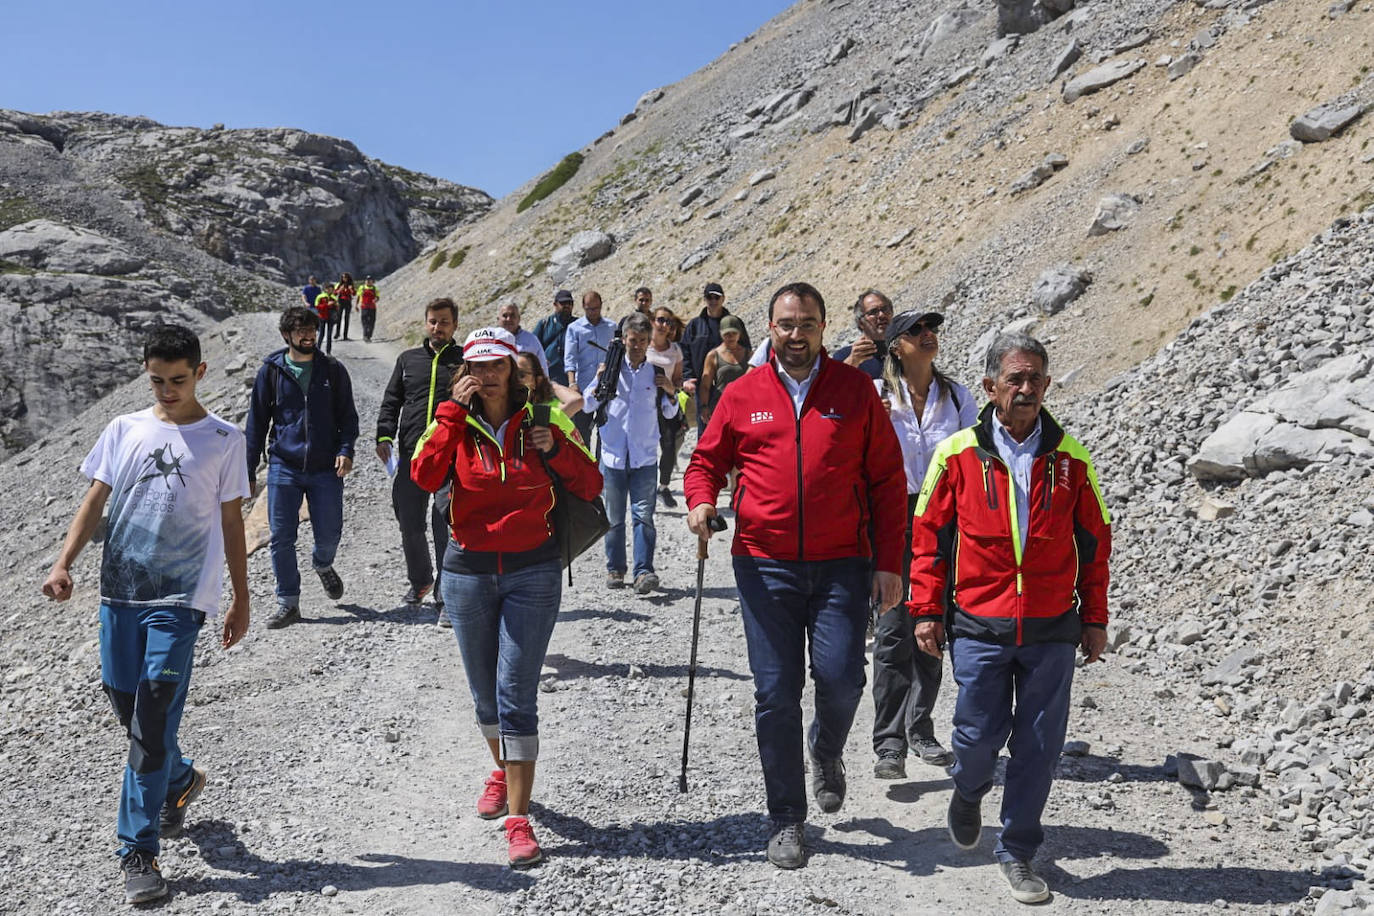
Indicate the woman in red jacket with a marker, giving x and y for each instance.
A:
(501, 584)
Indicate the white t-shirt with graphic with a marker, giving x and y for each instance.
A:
(164, 544)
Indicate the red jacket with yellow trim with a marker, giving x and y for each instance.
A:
(502, 493)
(808, 486)
(966, 553)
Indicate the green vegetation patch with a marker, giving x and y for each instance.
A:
(457, 257)
(438, 260)
(551, 182)
(16, 210)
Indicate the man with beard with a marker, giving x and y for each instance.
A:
(872, 315)
(1016, 500)
(817, 461)
(302, 412)
(419, 383)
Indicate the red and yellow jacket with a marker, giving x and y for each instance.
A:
(367, 296)
(808, 486)
(966, 550)
(500, 510)
(325, 304)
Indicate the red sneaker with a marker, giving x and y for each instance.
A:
(492, 802)
(524, 848)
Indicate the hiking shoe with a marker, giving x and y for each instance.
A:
(415, 595)
(174, 808)
(285, 615)
(142, 877)
(645, 583)
(1026, 885)
(787, 846)
(827, 783)
(491, 803)
(667, 496)
(333, 585)
(890, 765)
(615, 579)
(520, 842)
(444, 622)
(932, 752)
(965, 821)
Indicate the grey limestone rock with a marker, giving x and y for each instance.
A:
(1066, 58)
(1058, 286)
(1324, 122)
(44, 244)
(585, 247)
(1199, 773)
(1038, 175)
(1181, 65)
(1101, 77)
(1114, 212)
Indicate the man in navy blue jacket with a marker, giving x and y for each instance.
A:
(302, 412)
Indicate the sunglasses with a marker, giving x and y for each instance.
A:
(916, 330)
(662, 319)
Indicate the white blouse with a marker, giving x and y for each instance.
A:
(920, 437)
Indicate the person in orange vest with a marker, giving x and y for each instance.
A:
(368, 297)
(326, 305)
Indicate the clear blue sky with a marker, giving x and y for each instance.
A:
(486, 94)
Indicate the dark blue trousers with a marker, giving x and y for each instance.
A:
(788, 609)
(1017, 696)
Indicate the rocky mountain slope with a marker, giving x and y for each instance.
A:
(108, 223)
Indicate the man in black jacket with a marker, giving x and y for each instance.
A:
(302, 413)
(419, 383)
(700, 338)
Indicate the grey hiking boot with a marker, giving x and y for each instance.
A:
(645, 583)
(178, 800)
(787, 846)
(143, 879)
(615, 579)
(286, 615)
(333, 585)
(965, 821)
(932, 752)
(1026, 885)
(828, 783)
(890, 765)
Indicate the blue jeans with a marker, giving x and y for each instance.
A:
(145, 666)
(1016, 691)
(323, 492)
(641, 485)
(788, 605)
(503, 623)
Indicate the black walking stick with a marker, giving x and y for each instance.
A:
(715, 523)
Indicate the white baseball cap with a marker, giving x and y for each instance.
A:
(487, 344)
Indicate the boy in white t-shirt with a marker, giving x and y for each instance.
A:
(175, 476)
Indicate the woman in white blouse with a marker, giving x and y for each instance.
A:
(925, 406)
(665, 353)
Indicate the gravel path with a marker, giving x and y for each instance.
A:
(345, 762)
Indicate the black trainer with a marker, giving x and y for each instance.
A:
(965, 821)
(828, 783)
(787, 846)
(178, 800)
(142, 877)
(932, 752)
(1026, 885)
(333, 585)
(416, 595)
(284, 617)
(667, 496)
(890, 765)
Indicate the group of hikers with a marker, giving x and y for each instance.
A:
(868, 490)
(333, 303)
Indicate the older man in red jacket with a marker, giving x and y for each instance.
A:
(1009, 549)
(819, 468)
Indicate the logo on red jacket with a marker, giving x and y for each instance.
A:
(1064, 480)
(761, 416)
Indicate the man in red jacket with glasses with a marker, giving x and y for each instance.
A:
(819, 468)
(1009, 549)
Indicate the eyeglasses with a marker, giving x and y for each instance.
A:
(662, 319)
(880, 310)
(785, 328)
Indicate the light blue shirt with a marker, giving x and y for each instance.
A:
(580, 358)
(798, 390)
(1019, 458)
(629, 439)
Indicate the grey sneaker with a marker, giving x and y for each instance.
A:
(178, 800)
(890, 765)
(787, 846)
(965, 821)
(615, 579)
(645, 583)
(286, 615)
(444, 622)
(1026, 885)
(932, 752)
(142, 877)
(333, 585)
(828, 783)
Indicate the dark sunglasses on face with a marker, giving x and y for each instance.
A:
(916, 330)
(660, 319)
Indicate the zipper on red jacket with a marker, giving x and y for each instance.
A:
(801, 510)
(1015, 531)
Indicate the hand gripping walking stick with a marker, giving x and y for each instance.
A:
(715, 523)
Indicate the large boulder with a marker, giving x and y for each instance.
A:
(1114, 212)
(1324, 122)
(45, 245)
(1058, 286)
(585, 247)
(1100, 77)
(947, 25)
